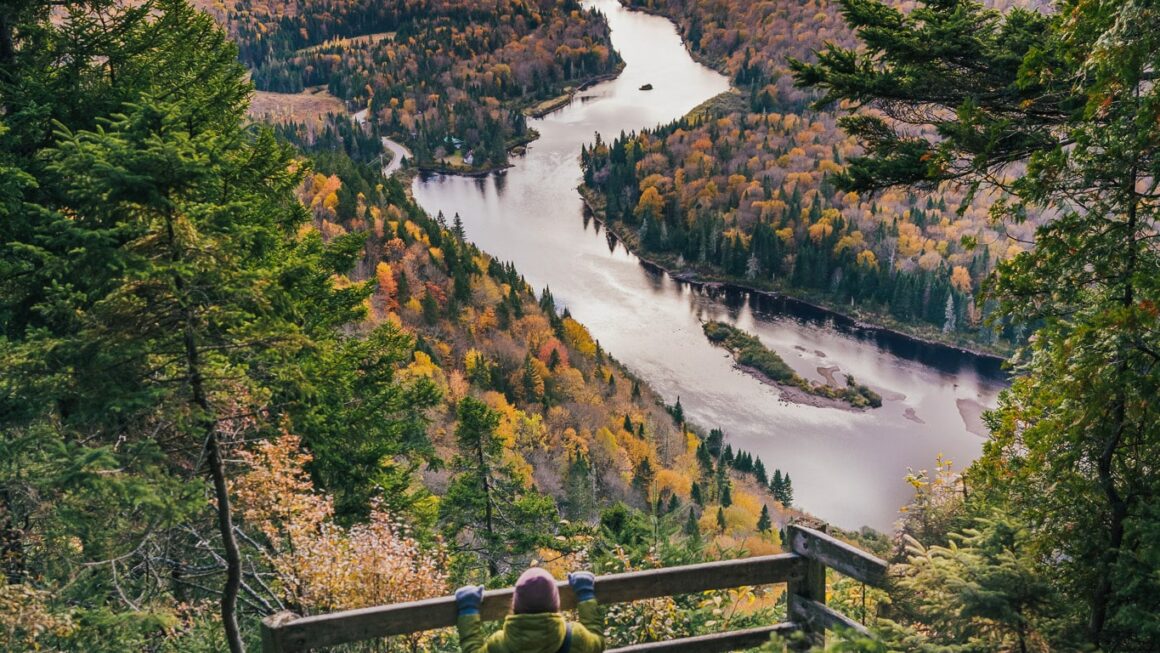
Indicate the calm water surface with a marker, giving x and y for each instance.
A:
(846, 467)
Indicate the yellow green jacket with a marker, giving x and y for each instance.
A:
(535, 633)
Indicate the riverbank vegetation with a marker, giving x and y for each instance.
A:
(750, 353)
(744, 190)
(695, 197)
(449, 79)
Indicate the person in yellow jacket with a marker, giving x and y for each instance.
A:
(535, 625)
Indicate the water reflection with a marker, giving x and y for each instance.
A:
(847, 466)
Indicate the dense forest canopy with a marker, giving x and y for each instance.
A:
(745, 188)
(449, 78)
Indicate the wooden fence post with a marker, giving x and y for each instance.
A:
(271, 643)
(810, 588)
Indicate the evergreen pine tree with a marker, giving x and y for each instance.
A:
(430, 308)
(457, 227)
(759, 472)
(488, 507)
(692, 528)
(695, 495)
(764, 525)
(643, 476)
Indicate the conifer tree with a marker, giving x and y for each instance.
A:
(156, 254)
(759, 472)
(695, 494)
(488, 508)
(457, 227)
(764, 525)
(692, 528)
(430, 308)
(643, 476)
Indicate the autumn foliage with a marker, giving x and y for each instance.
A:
(448, 77)
(320, 565)
(746, 187)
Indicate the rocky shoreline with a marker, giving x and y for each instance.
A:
(794, 395)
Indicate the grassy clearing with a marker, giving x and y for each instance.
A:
(311, 105)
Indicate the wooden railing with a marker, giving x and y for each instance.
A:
(803, 569)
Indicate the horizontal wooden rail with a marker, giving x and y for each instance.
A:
(819, 616)
(282, 633)
(715, 643)
(837, 555)
(804, 569)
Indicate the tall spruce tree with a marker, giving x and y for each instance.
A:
(692, 528)
(764, 525)
(488, 508)
(155, 287)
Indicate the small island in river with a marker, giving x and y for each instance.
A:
(752, 356)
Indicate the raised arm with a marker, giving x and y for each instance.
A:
(591, 634)
(471, 638)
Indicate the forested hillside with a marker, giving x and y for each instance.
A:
(448, 78)
(744, 188)
(238, 379)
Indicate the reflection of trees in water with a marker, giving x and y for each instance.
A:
(949, 361)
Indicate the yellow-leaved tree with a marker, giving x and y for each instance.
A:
(321, 566)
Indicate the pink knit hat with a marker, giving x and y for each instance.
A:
(535, 592)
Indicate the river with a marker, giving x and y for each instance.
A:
(847, 467)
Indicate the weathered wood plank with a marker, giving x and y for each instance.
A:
(382, 621)
(715, 643)
(822, 617)
(810, 588)
(723, 574)
(837, 555)
(269, 629)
